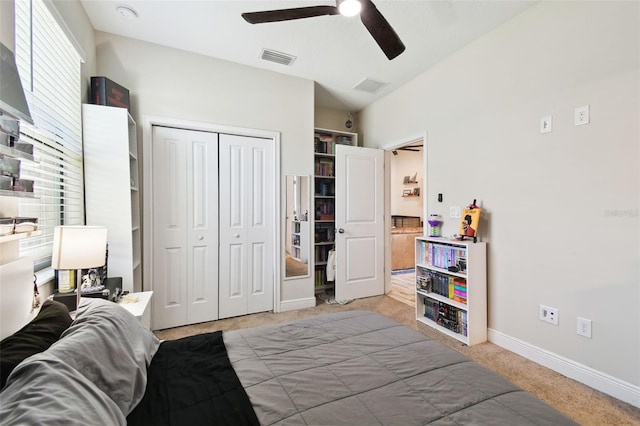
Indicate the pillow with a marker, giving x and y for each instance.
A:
(110, 347)
(33, 338)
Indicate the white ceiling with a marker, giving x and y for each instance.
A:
(334, 51)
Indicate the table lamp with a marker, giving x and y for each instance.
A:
(75, 248)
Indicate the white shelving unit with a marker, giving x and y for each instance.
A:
(300, 240)
(324, 179)
(112, 195)
(16, 272)
(453, 302)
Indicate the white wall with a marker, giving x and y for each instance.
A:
(165, 82)
(333, 119)
(561, 210)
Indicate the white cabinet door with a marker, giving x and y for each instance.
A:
(185, 227)
(359, 222)
(247, 224)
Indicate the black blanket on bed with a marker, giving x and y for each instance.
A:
(191, 382)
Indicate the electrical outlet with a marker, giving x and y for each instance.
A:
(581, 115)
(454, 212)
(546, 124)
(549, 314)
(584, 327)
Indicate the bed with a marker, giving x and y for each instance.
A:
(349, 367)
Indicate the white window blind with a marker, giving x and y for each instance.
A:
(49, 68)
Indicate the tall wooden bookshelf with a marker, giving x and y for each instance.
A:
(324, 200)
(451, 287)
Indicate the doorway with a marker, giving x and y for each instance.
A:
(406, 215)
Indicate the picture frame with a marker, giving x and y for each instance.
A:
(407, 193)
(416, 192)
(469, 222)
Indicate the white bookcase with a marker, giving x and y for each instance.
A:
(451, 287)
(112, 196)
(300, 240)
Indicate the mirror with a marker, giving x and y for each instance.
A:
(297, 240)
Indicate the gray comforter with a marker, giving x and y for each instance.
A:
(360, 368)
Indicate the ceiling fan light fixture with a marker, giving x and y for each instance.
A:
(349, 7)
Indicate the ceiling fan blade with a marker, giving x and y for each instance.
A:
(381, 30)
(288, 14)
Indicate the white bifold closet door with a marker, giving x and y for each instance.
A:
(185, 227)
(246, 225)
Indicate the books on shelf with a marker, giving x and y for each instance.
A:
(445, 315)
(324, 167)
(326, 144)
(448, 286)
(443, 256)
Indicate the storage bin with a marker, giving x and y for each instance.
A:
(25, 224)
(6, 225)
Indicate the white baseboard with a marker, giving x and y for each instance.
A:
(292, 305)
(603, 382)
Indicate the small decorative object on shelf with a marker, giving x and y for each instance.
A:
(434, 224)
(451, 293)
(470, 222)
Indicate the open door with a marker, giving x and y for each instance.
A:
(359, 217)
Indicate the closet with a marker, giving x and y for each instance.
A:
(213, 225)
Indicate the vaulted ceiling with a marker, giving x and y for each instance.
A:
(336, 52)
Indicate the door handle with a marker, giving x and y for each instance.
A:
(236, 235)
(340, 231)
(200, 237)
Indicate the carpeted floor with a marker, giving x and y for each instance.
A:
(583, 404)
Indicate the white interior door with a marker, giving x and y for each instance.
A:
(185, 227)
(359, 222)
(247, 224)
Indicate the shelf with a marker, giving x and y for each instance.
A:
(15, 153)
(464, 339)
(473, 313)
(444, 299)
(441, 270)
(18, 194)
(324, 200)
(19, 236)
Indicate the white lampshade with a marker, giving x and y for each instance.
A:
(79, 247)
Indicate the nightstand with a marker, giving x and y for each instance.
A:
(140, 309)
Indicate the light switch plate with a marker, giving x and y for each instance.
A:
(546, 124)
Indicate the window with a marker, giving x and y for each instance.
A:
(49, 68)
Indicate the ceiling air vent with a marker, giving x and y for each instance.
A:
(370, 85)
(277, 57)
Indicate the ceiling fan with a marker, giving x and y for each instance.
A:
(376, 24)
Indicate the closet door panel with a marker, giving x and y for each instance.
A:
(169, 229)
(185, 227)
(202, 199)
(246, 219)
